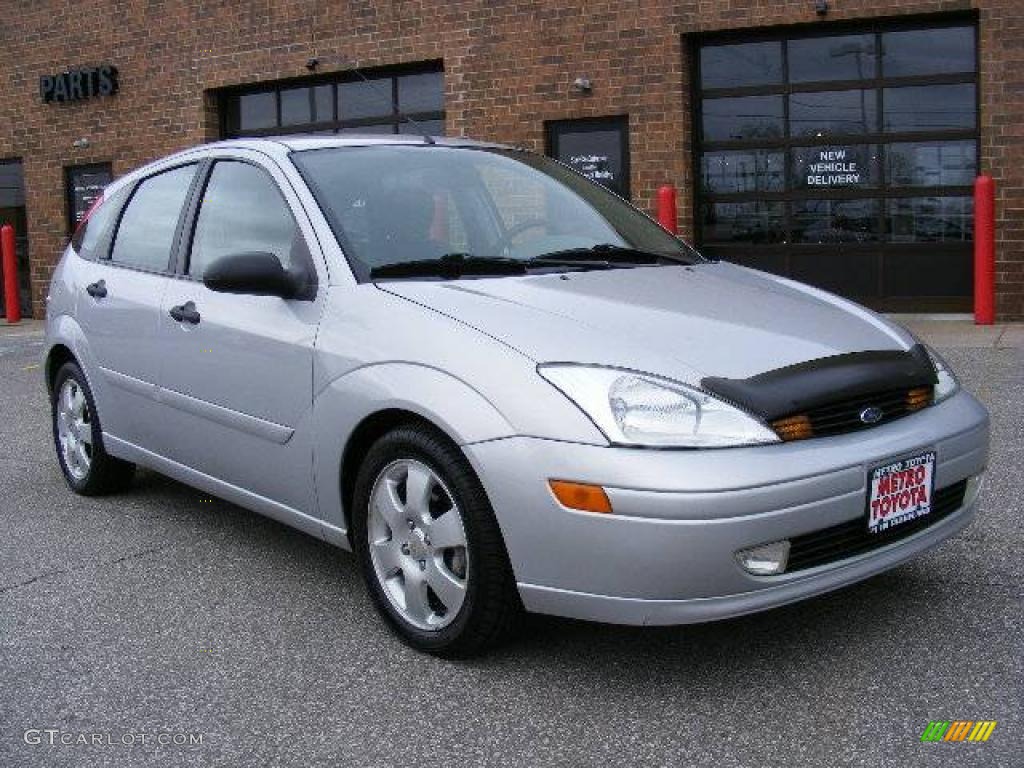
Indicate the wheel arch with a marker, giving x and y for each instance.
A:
(367, 432)
(56, 357)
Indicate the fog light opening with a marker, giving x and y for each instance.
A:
(973, 490)
(581, 496)
(765, 559)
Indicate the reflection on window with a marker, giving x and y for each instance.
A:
(242, 212)
(745, 117)
(835, 167)
(365, 99)
(931, 219)
(833, 113)
(753, 222)
(928, 51)
(421, 92)
(849, 57)
(146, 232)
(257, 110)
(745, 64)
(929, 107)
(835, 221)
(295, 106)
(323, 103)
(931, 163)
(755, 170)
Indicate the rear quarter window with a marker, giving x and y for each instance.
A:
(93, 234)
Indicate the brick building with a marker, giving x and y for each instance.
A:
(835, 142)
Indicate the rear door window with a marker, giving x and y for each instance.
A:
(146, 233)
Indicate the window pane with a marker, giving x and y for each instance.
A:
(12, 185)
(745, 117)
(146, 233)
(931, 163)
(295, 106)
(928, 51)
(365, 99)
(428, 127)
(257, 110)
(421, 93)
(931, 219)
(729, 66)
(930, 107)
(756, 170)
(93, 232)
(835, 221)
(850, 57)
(242, 212)
(323, 103)
(755, 222)
(835, 167)
(833, 112)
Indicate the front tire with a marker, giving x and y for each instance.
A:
(429, 545)
(78, 438)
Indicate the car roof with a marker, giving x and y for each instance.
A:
(278, 146)
(299, 142)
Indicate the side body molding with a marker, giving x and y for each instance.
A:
(243, 422)
(446, 401)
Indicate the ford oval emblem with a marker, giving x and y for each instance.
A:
(871, 415)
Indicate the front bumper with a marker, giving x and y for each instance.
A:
(667, 553)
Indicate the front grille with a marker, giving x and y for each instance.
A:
(851, 538)
(842, 416)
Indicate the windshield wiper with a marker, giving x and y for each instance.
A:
(608, 254)
(452, 265)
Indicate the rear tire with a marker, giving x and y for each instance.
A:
(429, 545)
(78, 438)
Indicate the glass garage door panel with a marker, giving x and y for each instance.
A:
(375, 102)
(844, 160)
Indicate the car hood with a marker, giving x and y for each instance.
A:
(686, 322)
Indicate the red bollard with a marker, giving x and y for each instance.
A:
(667, 208)
(984, 250)
(12, 304)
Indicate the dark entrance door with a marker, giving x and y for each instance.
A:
(844, 159)
(596, 147)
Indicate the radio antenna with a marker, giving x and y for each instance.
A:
(427, 138)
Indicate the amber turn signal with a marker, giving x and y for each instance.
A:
(919, 398)
(793, 428)
(587, 498)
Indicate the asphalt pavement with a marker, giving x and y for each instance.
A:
(164, 627)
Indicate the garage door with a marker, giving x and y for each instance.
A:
(843, 159)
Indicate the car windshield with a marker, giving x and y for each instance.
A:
(399, 209)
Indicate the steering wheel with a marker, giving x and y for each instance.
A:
(503, 242)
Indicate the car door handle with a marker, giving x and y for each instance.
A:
(97, 290)
(185, 313)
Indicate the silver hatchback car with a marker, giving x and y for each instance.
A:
(499, 384)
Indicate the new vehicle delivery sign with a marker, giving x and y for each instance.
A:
(901, 492)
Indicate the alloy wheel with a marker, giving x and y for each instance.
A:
(417, 543)
(74, 429)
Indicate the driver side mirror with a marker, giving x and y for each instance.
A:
(256, 274)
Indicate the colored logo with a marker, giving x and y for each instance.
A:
(958, 730)
(871, 415)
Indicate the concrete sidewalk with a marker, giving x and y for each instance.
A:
(960, 331)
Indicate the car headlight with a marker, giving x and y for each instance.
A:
(947, 385)
(641, 410)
